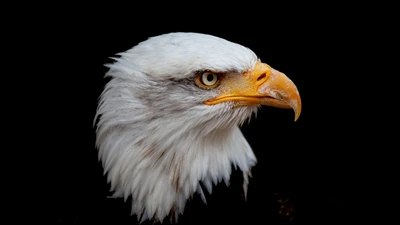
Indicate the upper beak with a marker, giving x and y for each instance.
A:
(263, 85)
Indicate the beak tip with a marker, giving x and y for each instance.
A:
(296, 115)
(297, 110)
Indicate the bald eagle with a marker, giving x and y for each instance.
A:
(168, 119)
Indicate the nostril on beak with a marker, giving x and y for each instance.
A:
(262, 76)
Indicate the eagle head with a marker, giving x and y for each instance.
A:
(169, 117)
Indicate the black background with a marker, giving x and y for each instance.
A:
(314, 162)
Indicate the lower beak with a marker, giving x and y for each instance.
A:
(263, 85)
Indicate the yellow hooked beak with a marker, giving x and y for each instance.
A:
(263, 85)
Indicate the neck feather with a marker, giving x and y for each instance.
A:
(161, 175)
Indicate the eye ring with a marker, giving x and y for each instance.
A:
(208, 79)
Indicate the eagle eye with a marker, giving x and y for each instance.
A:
(208, 79)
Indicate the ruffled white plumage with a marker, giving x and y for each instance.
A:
(156, 139)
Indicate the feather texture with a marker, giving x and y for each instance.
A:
(156, 139)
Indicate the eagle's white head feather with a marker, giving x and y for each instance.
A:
(156, 138)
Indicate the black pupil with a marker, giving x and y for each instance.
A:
(210, 77)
